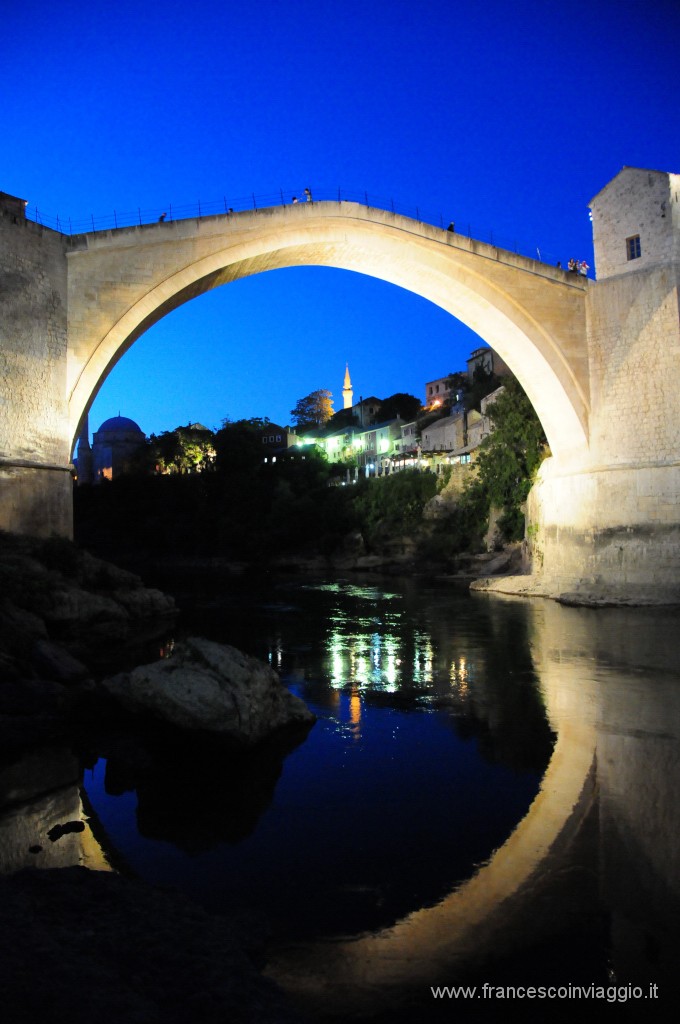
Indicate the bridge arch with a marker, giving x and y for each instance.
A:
(122, 282)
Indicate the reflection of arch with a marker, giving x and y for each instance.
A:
(463, 928)
(477, 918)
(122, 282)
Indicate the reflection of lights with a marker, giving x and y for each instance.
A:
(366, 651)
(355, 713)
(366, 660)
(392, 662)
(422, 659)
(375, 650)
(335, 649)
(460, 676)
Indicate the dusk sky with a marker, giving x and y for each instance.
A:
(507, 117)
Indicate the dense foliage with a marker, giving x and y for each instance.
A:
(392, 505)
(509, 457)
(214, 494)
(401, 405)
(314, 410)
(187, 449)
(245, 510)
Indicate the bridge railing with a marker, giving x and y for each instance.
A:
(287, 197)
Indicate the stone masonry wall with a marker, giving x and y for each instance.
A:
(636, 202)
(634, 346)
(33, 400)
(613, 526)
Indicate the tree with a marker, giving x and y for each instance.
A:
(392, 505)
(401, 405)
(189, 449)
(510, 456)
(343, 418)
(239, 444)
(314, 410)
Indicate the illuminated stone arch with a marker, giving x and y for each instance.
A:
(122, 282)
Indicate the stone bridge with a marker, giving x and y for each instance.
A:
(599, 361)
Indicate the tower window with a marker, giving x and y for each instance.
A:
(633, 251)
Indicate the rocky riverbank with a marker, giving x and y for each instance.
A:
(64, 615)
(586, 592)
(84, 943)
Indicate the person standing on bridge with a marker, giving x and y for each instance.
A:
(308, 195)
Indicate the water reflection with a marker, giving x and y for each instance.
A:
(386, 656)
(379, 811)
(195, 794)
(412, 813)
(600, 845)
(42, 820)
(377, 657)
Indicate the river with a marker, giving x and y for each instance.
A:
(489, 794)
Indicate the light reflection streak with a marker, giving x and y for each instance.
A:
(376, 652)
(275, 654)
(355, 713)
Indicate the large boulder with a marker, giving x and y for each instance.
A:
(212, 688)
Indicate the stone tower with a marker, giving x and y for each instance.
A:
(84, 455)
(636, 222)
(347, 392)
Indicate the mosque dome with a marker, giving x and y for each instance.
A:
(120, 425)
(115, 446)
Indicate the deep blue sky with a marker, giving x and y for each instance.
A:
(507, 116)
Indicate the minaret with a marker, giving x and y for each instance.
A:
(84, 455)
(347, 392)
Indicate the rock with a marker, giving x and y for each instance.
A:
(441, 506)
(501, 563)
(213, 688)
(95, 574)
(53, 662)
(145, 602)
(68, 609)
(44, 770)
(493, 539)
(20, 696)
(19, 631)
(21, 623)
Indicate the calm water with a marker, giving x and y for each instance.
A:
(490, 794)
(429, 748)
